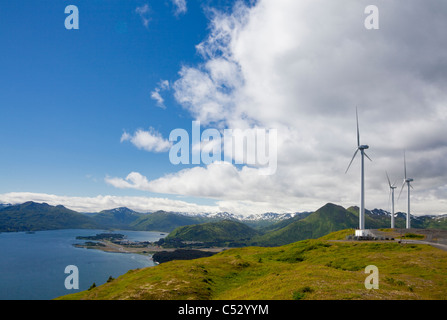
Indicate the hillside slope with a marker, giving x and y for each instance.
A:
(31, 216)
(309, 269)
(325, 220)
(163, 221)
(226, 230)
(119, 218)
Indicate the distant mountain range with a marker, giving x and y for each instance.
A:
(219, 231)
(325, 220)
(269, 229)
(31, 216)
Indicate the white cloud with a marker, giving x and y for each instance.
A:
(155, 94)
(143, 11)
(243, 190)
(98, 203)
(150, 140)
(180, 6)
(134, 180)
(302, 67)
(157, 97)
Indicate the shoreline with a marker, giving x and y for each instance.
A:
(109, 246)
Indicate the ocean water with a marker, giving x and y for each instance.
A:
(32, 265)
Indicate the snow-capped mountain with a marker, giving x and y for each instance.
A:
(271, 216)
(4, 205)
(122, 210)
(268, 216)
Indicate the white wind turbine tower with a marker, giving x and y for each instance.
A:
(392, 187)
(408, 182)
(362, 148)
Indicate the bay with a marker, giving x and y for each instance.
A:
(32, 265)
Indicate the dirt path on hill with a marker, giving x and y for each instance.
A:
(434, 237)
(434, 244)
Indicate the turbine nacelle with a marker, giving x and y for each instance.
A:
(359, 146)
(409, 180)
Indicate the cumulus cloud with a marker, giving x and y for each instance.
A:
(150, 140)
(134, 180)
(243, 189)
(302, 67)
(98, 203)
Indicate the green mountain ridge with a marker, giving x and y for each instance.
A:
(119, 218)
(327, 219)
(31, 216)
(163, 221)
(376, 221)
(226, 230)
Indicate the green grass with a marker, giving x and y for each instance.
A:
(413, 236)
(338, 235)
(301, 293)
(308, 269)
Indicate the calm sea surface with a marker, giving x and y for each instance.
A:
(32, 265)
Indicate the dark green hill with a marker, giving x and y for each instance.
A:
(32, 216)
(376, 219)
(327, 219)
(222, 231)
(163, 221)
(434, 222)
(284, 223)
(119, 218)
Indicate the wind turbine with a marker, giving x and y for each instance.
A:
(408, 182)
(392, 187)
(362, 149)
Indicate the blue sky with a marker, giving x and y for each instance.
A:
(86, 114)
(67, 95)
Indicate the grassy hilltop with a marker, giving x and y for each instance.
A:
(308, 269)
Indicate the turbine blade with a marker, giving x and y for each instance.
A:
(389, 200)
(405, 166)
(355, 153)
(367, 156)
(389, 182)
(403, 184)
(358, 133)
(411, 186)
